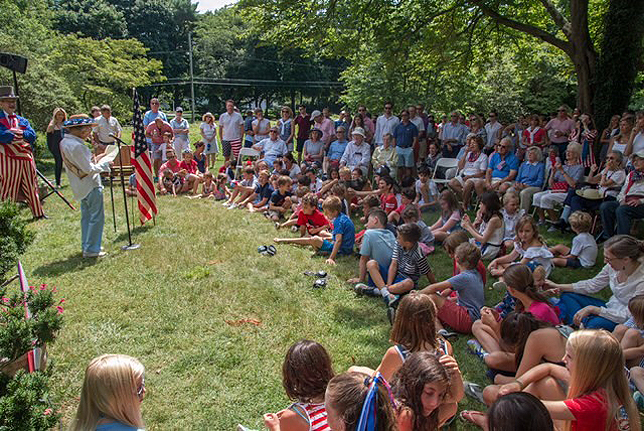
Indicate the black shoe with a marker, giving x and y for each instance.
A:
(391, 315)
(362, 289)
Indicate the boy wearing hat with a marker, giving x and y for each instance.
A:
(84, 173)
(17, 168)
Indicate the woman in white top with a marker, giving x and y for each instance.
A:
(208, 130)
(286, 127)
(620, 141)
(623, 273)
(471, 168)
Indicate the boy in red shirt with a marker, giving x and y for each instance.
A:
(310, 219)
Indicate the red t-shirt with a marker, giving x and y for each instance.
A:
(191, 166)
(388, 202)
(316, 219)
(401, 208)
(590, 412)
(176, 167)
(480, 268)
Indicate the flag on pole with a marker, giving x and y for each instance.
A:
(33, 356)
(146, 194)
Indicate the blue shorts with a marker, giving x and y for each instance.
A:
(405, 157)
(384, 273)
(573, 262)
(327, 246)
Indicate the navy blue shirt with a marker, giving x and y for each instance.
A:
(405, 134)
(264, 191)
(277, 199)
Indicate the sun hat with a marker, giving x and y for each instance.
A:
(317, 130)
(315, 114)
(639, 154)
(178, 109)
(79, 120)
(6, 93)
(358, 131)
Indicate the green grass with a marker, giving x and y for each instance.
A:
(168, 302)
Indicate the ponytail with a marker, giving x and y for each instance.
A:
(625, 246)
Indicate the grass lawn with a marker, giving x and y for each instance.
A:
(168, 304)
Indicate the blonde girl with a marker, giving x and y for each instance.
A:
(208, 130)
(54, 136)
(529, 246)
(111, 396)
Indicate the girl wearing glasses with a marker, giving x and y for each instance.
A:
(111, 396)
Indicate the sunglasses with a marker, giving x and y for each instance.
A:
(273, 131)
(388, 108)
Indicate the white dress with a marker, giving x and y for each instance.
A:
(210, 139)
(491, 248)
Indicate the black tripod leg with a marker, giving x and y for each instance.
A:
(53, 189)
(112, 199)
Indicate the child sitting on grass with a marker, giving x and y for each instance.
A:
(407, 197)
(451, 243)
(221, 191)
(306, 372)
(242, 189)
(280, 201)
(343, 233)
(630, 333)
(310, 219)
(583, 253)
(450, 219)
(258, 200)
(529, 246)
(300, 192)
(193, 176)
(426, 190)
(377, 244)
(511, 216)
(411, 214)
(487, 229)
(469, 288)
(408, 264)
(207, 189)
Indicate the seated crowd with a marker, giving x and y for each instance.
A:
(556, 356)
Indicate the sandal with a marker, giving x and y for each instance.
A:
(473, 390)
(469, 415)
(318, 274)
(319, 283)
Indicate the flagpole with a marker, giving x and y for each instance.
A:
(129, 246)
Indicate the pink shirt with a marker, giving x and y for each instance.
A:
(543, 312)
(565, 126)
(328, 129)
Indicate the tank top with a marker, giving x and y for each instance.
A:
(314, 414)
(403, 352)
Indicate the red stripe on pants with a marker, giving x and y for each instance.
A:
(18, 175)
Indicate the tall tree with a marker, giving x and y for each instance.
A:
(453, 29)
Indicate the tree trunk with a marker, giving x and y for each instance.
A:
(620, 58)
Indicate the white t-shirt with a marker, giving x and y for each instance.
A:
(183, 124)
(475, 167)
(585, 248)
(510, 223)
(262, 131)
(231, 124)
(618, 178)
(433, 191)
(638, 143)
(492, 131)
(106, 126)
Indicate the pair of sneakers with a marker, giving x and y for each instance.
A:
(362, 289)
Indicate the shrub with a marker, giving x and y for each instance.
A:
(14, 237)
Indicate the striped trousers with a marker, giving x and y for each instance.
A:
(19, 175)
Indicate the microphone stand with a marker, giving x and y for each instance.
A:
(130, 246)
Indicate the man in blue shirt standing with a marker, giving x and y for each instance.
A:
(502, 169)
(152, 114)
(405, 136)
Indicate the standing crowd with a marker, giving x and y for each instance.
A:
(557, 357)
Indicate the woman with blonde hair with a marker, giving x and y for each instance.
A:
(54, 136)
(208, 130)
(111, 396)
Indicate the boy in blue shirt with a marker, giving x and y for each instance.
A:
(343, 237)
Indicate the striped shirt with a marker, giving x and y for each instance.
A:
(315, 415)
(411, 263)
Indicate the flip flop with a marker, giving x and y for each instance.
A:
(474, 391)
(319, 283)
(318, 274)
(262, 249)
(271, 250)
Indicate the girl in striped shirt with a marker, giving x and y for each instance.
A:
(306, 373)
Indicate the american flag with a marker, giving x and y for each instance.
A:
(144, 184)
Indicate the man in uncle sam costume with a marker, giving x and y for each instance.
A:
(83, 171)
(18, 180)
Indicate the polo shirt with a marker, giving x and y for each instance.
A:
(231, 124)
(501, 166)
(180, 124)
(531, 174)
(404, 134)
(456, 131)
(344, 226)
(384, 125)
(149, 117)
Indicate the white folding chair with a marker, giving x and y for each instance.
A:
(245, 152)
(447, 163)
